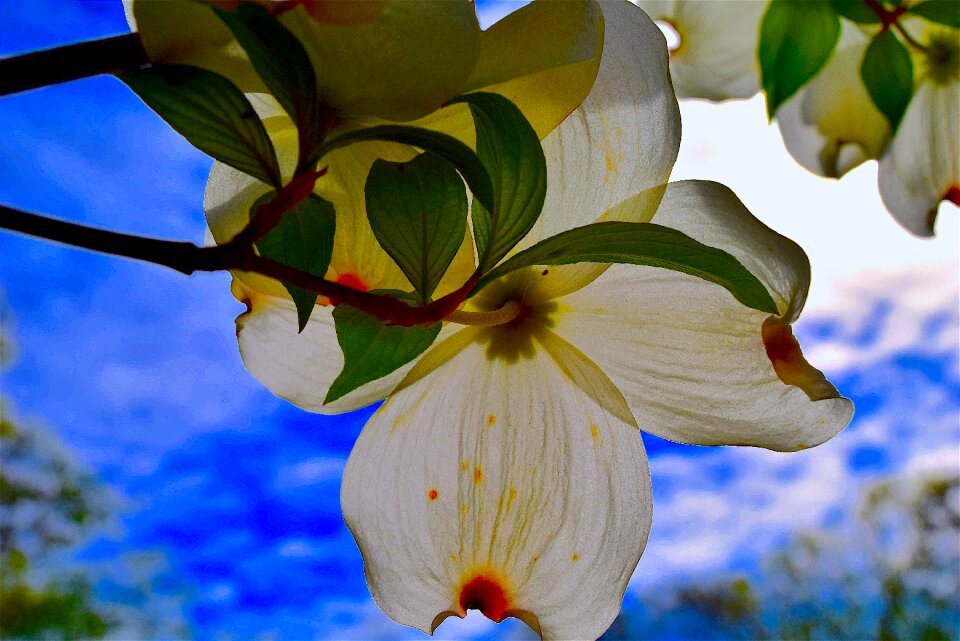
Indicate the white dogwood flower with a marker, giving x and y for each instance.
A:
(714, 55)
(921, 167)
(831, 125)
(505, 472)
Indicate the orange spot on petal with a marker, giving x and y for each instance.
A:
(575, 557)
(433, 494)
(487, 595)
(477, 475)
(491, 420)
(594, 432)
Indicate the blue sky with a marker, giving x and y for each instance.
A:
(136, 369)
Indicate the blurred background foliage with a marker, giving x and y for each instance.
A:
(892, 577)
(49, 508)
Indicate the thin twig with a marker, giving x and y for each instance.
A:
(71, 62)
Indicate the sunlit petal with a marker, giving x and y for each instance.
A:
(714, 57)
(832, 125)
(498, 485)
(694, 365)
(922, 165)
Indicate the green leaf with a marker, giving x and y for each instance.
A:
(510, 150)
(304, 240)
(796, 40)
(887, 72)
(447, 147)
(481, 227)
(643, 244)
(284, 66)
(855, 10)
(941, 11)
(211, 113)
(418, 212)
(371, 350)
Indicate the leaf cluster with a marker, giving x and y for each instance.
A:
(798, 38)
(420, 210)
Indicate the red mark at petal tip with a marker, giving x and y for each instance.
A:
(953, 195)
(788, 362)
(484, 594)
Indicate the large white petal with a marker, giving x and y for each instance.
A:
(832, 125)
(625, 136)
(496, 483)
(694, 365)
(922, 165)
(716, 57)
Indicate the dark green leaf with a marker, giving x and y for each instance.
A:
(855, 10)
(481, 226)
(303, 239)
(212, 114)
(510, 150)
(371, 350)
(887, 72)
(796, 40)
(643, 244)
(447, 147)
(418, 212)
(942, 11)
(284, 66)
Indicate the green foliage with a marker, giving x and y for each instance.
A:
(447, 147)
(303, 239)
(211, 113)
(372, 350)
(796, 40)
(643, 244)
(61, 609)
(510, 150)
(284, 66)
(887, 72)
(855, 10)
(942, 11)
(40, 510)
(418, 212)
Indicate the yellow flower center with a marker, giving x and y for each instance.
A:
(514, 339)
(943, 56)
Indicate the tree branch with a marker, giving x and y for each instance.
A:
(188, 258)
(71, 62)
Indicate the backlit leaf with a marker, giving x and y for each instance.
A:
(211, 113)
(418, 212)
(510, 150)
(887, 72)
(371, 350)
(303, 239)
(796, 40)
(643, 244)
